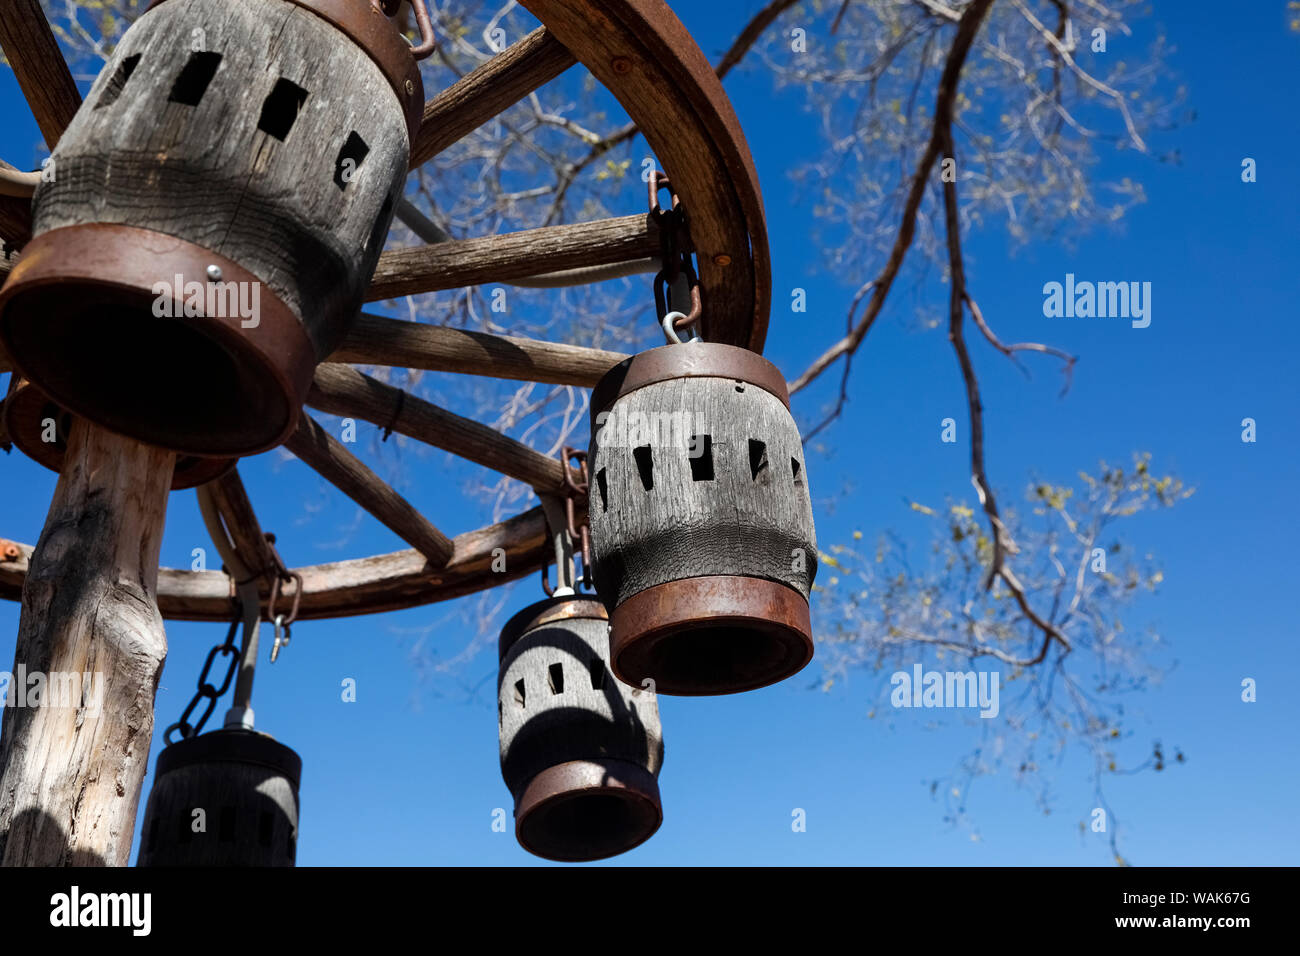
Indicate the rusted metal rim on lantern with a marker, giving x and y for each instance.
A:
(27, 409)
(711, 635)
(588, 810)
(552, 610)
(375, 33)
(92, 336)
(688, 360)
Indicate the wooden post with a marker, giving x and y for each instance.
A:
(71, 769)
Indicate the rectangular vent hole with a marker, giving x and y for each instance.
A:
(645, 465)
(701, 457)
(598, 674)
(280, 109)
(757, 457)
(118, 82)
(519, 692)
(194, 79)
(349, 161)
(556, 672)
(602, 485)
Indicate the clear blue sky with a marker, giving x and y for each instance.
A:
(408, 775)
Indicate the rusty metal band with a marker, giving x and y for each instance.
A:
(130, 262)
(26, 408)
(578, 780)
(371, 30)
(673, 610)
(550, 611)
(689, 360)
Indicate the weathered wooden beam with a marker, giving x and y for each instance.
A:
(342, 390)
(488, 91)
(38, 64)
(72, 767)
(251, 547)
(515, 255)
(375, 340)
(332, 461)
(482, 559)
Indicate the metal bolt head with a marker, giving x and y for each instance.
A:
(621, 65)
(722, 259)
(214, 273)
(410, 88)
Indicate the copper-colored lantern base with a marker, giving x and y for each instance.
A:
(588, 810)
(77, 316)
(27, 409)
(711, 635)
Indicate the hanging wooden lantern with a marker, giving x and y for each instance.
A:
(246, 785)
(40, 429)
(212, 217)
(580, 751)
(701, 523)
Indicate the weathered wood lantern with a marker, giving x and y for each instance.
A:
(215, 213)
(580, 751)
(701, 522)
(246, 785)
(40, 429)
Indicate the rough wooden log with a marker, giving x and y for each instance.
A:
(73, 768)
(342, 390)
(375, 340)
(482, 559)
(517, 255)
(331, 460)
(488, 91)
(38, 65)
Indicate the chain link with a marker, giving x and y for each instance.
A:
(206, 690)
(674, 258)
(573, 491)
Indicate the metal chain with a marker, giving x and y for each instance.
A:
(675, 261)
(206, 691)
(573, 491)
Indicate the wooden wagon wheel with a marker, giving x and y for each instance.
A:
(644, 56)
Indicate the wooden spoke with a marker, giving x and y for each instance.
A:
(251, 547)
(333, 462)
(385, 582)
(488, 91)
(341, 390)
(459, 263)
(374, 340)
(38, 64)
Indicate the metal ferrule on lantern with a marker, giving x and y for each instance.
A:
(213, 216)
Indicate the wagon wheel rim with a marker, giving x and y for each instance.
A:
(637, 49)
